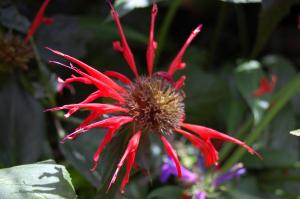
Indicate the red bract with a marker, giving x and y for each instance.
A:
(38, 20)
(153, 104)
(265, 86)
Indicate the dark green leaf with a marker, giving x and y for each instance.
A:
(40, 180)
(271, 14)
(166, 192)
(22, 125)
(272, 159)
(248, 75)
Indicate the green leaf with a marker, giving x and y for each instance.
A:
(205, 93)
(272, 12)
(22, 125)
(80, 153)
(272, 159)
(166, 192)
(248, 75)
(242, 1)
(40, 180)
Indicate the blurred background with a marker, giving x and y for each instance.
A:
(244, 46)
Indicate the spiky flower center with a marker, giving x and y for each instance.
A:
(155, 104)
(14, 53)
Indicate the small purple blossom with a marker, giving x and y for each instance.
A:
(236, 171)
(169, 169)
(201, 195)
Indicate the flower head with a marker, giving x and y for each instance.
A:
(153, 103)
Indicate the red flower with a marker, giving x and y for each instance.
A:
(38, 20)
(265, 86)
(153, 103)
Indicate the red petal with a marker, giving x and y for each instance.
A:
(177, 61)
(118, 76)
(112, 122)
(93, 72)
(265, 86)
(206, 147)
(105, 108)
(172, 153)
(123, 47)
(38, 20)
(92, 97)
(129, 154)
(106, 89)
(208, 133)
(107, 138)
(151, 43)
(179, 83)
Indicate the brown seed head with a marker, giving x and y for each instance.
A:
(14, 54)
(155, 104)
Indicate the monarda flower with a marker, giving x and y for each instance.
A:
(153, 103)
(15, 52)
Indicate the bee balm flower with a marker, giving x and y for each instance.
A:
(153, 103)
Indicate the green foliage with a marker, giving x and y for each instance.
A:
(166, 192)
(39, 180)
(22, 125)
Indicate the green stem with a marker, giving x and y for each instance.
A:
(165, 27)
(241, 134)
(282, 98)
(43, 77)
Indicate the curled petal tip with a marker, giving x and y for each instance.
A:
(94, 167)
(67, 115)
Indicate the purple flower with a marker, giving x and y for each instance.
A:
(169, 169)
(236, 171)
(201, 195)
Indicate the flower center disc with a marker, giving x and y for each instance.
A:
(155, 104)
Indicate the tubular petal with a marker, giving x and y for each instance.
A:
(106, 89)
(92, 97)
(172, 153)
(205, 147)
(38, 20)
(93, 72)
(177, 61)
(118, 76)
(150, 54)
(107, 138)
(129, 154)
(91, 106)
(111, 122)
(208, 133)
(179, 83)
(123, 46)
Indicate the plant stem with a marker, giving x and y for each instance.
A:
(165, 27)
(281, 99)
